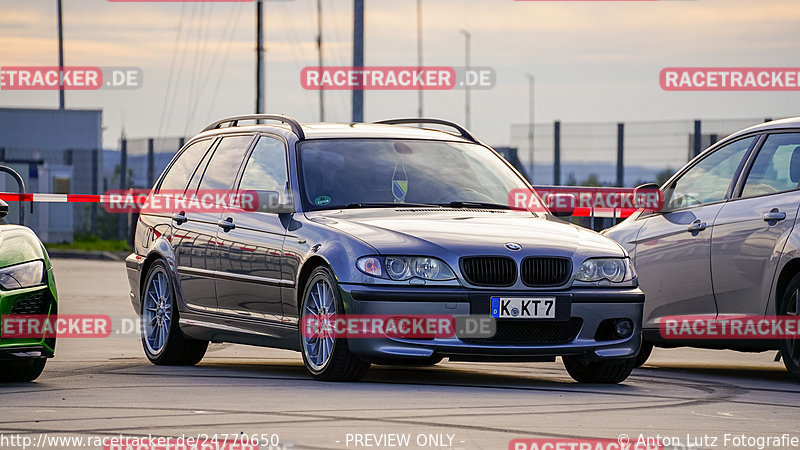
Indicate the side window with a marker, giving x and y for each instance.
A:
(776, 168)
(183, 168)
(266, 167)
(224, 164)
(708, 181)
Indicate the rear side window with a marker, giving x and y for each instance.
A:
(183, 168)
(266, 168)
(224, 164)
(777, 166)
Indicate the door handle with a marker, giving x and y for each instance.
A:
(775, 215)
(226, 225)
(697, 225)
(179, 218)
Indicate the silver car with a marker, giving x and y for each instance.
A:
(374, 220)
(726, 242)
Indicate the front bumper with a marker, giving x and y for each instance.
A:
(39, 300)
(578, 329)
(133, 269)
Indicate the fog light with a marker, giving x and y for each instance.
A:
(624, 328)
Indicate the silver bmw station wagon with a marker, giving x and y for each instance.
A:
(404, 219)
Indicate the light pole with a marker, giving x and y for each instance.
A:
(419, 52)
(259, 57)
(319, 59)
(358, 58)
(467, 37)
(60, 58)
(531, 123)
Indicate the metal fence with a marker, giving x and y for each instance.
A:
(607, 153)
(615, 154)
(146, 158)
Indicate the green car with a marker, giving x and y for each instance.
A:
(27, 287)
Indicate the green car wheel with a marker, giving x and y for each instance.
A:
(21, 371)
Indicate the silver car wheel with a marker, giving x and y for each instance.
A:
(793, 345)
(319, 302)
(157, 312)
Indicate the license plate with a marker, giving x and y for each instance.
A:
(523, 308)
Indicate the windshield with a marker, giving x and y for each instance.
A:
(363, 172)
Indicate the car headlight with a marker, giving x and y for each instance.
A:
(615, 270)
(401, 268)
(24, 275)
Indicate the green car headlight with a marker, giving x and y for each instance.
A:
(24, 275)
(615, 270)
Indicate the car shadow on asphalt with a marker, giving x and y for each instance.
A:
(727, 372)
(547, 377)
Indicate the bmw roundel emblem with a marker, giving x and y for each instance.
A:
(513, 246)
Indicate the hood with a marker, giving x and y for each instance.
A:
(431, 231)
(18, 245)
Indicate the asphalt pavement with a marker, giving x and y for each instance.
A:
(105, 387)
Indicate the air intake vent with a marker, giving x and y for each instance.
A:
(37, 303)
(545, 271)
(531, 332)
(489, 270)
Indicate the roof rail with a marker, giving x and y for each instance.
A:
(234, 121)
(461, 130)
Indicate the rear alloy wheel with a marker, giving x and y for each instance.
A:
(162, 339)
(790, 348)
(21, 371)
(327, 357)
(644, 353)
(610, 371)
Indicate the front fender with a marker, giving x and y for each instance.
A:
(789, 254)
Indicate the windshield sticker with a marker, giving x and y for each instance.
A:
(399, 183)
(322, 200)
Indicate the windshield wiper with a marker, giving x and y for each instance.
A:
(486, 205)
(388, 205)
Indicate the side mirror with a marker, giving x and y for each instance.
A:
(3, 209)
(270, 202)
(650, 196)
(647, 186)
(561, 205)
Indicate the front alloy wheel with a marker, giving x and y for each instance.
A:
(162, 339)
(326, 356)
(790, 348)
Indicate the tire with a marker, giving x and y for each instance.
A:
(162, 339)
(601, 372)
(644, 353)
(21, 371)
(327, 358)
(434, 360)
(790, 348)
